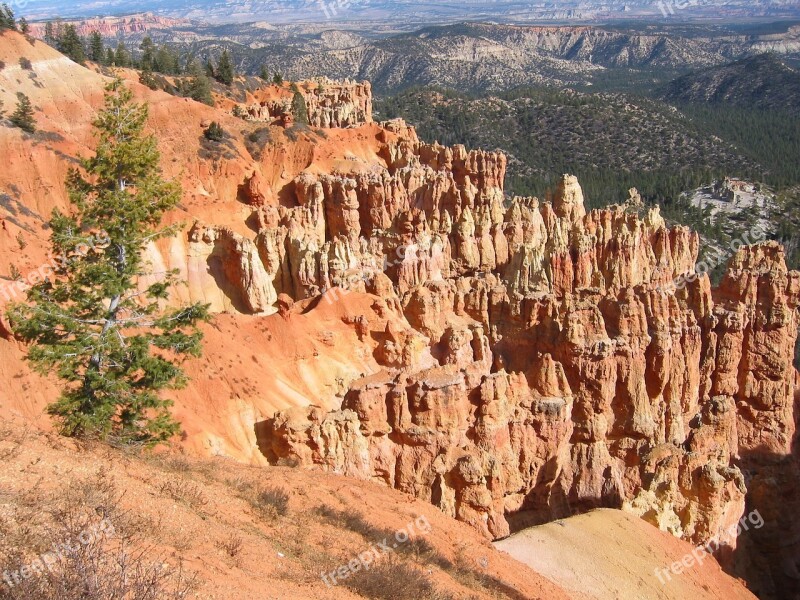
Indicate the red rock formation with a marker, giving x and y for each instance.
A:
(235, 263)
(338, 104)
(329, 104)
(579, 378)
(255, 192)
(116, 26)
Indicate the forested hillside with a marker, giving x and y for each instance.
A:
(761, 81)
(612, 142)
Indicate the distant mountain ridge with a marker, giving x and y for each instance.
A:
(116, 26)
(470, 56)
(492, 57)
(417, 12)
(761, 81)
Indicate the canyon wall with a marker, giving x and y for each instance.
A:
(566, 377)
(338, 103)
(552, 364)
(547, 363)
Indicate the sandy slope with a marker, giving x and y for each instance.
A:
(188, 509)
(611, 555)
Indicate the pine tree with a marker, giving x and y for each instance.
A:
(277, 79)
(146, 78)
(264, 74)
(23, 26)
(225, 72)
(162, 61)
(199, 87)
(49, 34)
(214, 132)
(97, 51)
(299, 110)
(58, 31)
(112, 344)
(110, 58)
(148, 53)
(23, 116)
(167, 61)
(122, 57)
(7, 20)
(71, 44)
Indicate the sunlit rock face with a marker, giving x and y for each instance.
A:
(571, 372)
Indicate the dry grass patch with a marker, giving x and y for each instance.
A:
(185, 491)
(232, 546)
(79, 543)
(274, 502)
(393, 579)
